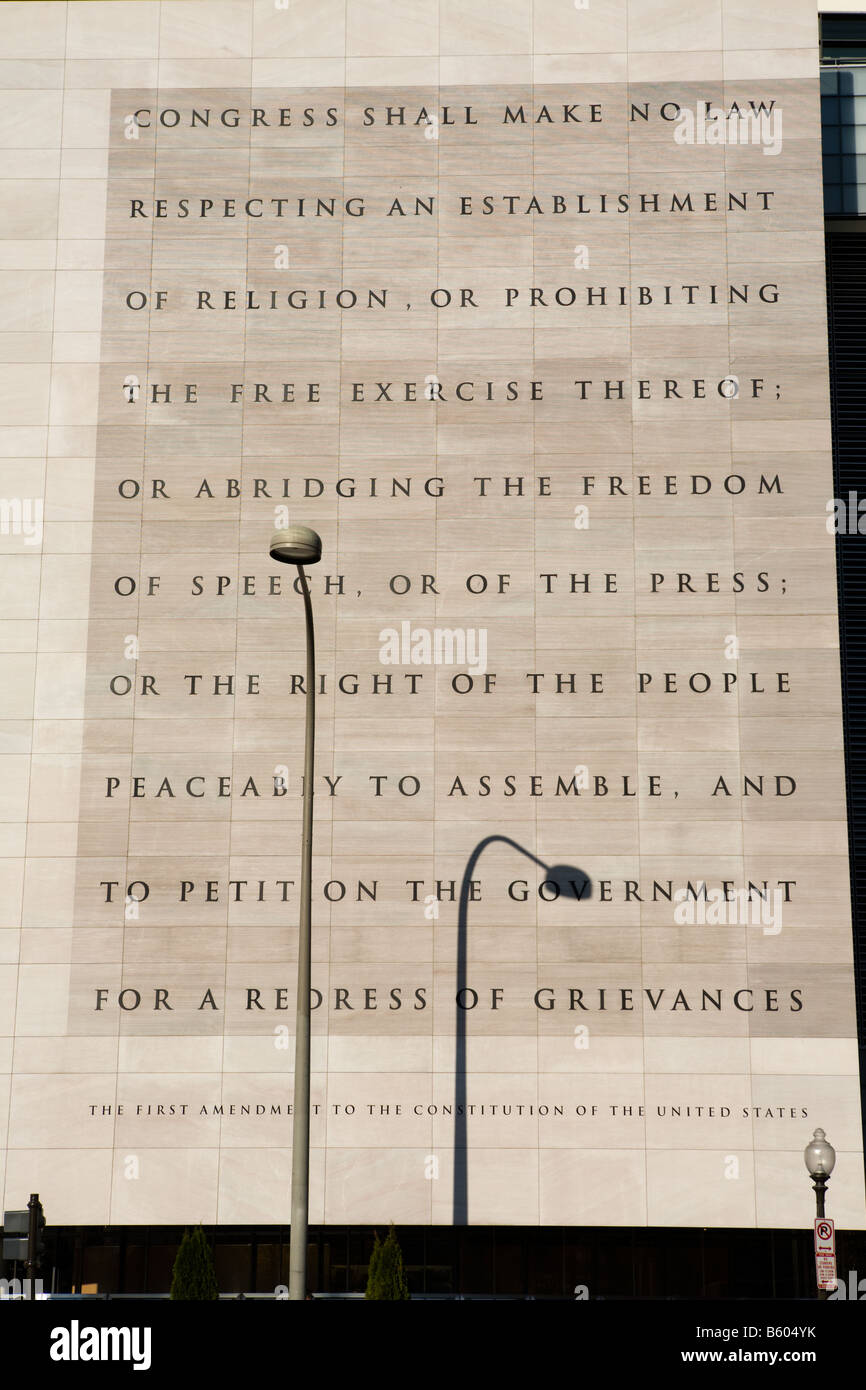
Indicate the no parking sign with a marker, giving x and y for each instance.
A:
(825, 1252)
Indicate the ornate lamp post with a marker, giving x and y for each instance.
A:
(820, 1159)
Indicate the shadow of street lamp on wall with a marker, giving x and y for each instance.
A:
(570, 882)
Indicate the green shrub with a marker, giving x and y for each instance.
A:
(386, 1277)
(194, 1276)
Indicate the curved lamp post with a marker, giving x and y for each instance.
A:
(297, 545)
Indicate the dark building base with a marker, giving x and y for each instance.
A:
(551, 1262)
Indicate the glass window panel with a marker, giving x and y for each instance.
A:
(476, 1260)
(615, 1268)
(755, 1271)
(440, 1261)
(232, 1265)
(829, 81)
(360, 1250)
(160, 1263)
(830, 110)
(412, 1246)
(852, 139)
(852, 110)
(832, 168)
(830, 138)
(579, 1261)
(683, 1273)
(510, 1266)
(832, 199)
(545, 1266)
(853, 198)
(134, 1265)
(102, 1267)
(267, 1268)
(849, 169)
(844, 53)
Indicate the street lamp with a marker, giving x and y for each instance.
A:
(820, 1159)
(297, 545)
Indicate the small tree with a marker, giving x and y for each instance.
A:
(373, 1267)
(386, 1278)
(194, 1276)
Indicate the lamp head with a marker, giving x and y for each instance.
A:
(296, 545)
(819, 1155)
(571, 881)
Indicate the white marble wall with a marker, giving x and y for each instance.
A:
(64, 435)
